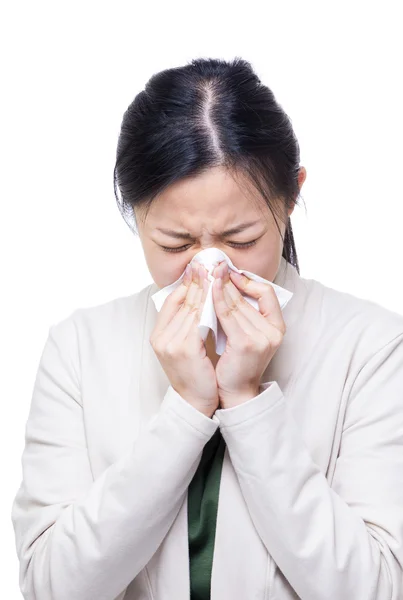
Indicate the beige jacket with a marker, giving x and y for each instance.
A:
(311, 496)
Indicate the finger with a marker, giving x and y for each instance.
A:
(172, 304)
(264, 293)
(193, 338)
(233, 297)
(186, 327)
(195, 292)
(190, 310)
(205, 283)
(235, 325)
(189, 332)
(174, 301)
(186, 308)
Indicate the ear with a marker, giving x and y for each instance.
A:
(301, 177)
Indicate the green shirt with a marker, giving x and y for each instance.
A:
(203, 493)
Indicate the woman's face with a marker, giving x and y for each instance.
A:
(194, 214)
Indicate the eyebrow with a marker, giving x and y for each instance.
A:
(187, 236)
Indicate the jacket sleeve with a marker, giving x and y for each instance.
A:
(78, 538)
(339, 541)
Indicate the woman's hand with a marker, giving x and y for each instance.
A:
(253, 337)
(177, 342)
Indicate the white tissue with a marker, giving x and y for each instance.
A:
(210, 257)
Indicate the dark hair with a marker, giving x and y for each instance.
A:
(208, 113)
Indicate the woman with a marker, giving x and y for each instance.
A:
(156, 469)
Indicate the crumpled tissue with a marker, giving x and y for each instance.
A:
(210, 258)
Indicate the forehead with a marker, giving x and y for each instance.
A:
(215, 196)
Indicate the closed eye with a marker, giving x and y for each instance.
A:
(233, 244)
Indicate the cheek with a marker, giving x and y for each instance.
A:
(266, 267)
(262, 261)
(164, 267)
(166, 270)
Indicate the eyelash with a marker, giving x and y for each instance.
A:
(234, 244)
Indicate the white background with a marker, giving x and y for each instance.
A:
(69, 71)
